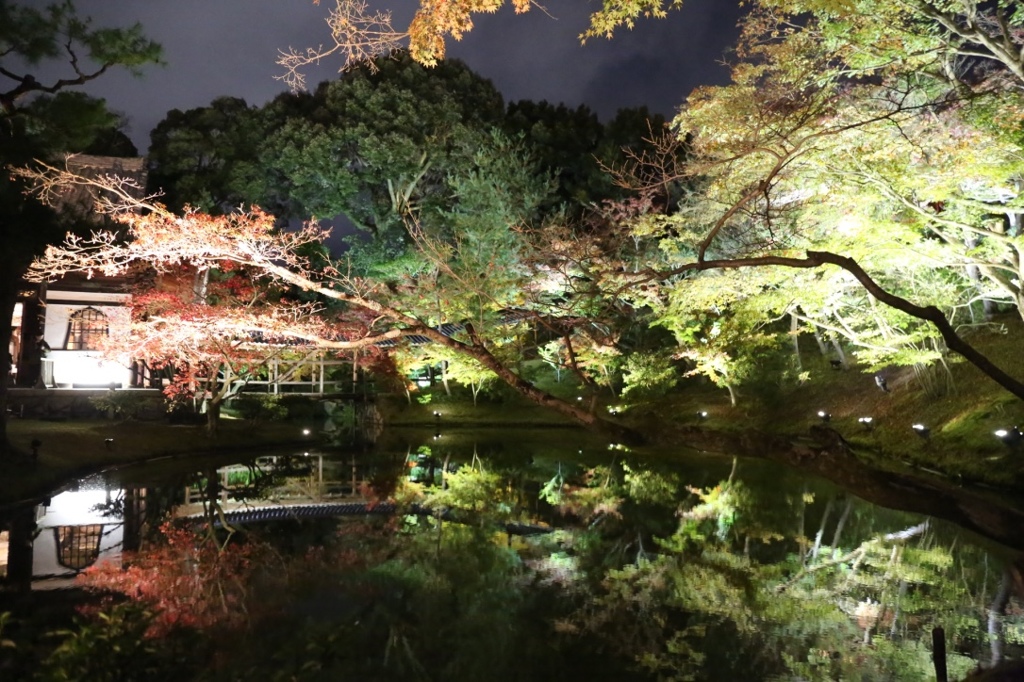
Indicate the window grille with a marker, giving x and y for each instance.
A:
(86, 329)
(78, 547)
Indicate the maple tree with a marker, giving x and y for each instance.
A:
(868, 35)
(460, 277)
(214, 330)
(896, 180)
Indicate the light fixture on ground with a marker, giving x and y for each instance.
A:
(824, 416)
(1011, 437)
(921, 430)
(305, 432)
(703, 414)
(867, 422)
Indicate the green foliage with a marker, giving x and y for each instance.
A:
(128, 653)
(207, 157)
(648, 375)
(649, 487)
(39, 35)
(5, 619)
(259, 408)
(122, 404)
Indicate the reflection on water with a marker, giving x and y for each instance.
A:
(549, 559)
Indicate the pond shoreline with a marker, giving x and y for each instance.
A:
(822, 452)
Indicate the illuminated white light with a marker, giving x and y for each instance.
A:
(1002, 433)
(865, 420)
(305, 432)
(919, 427)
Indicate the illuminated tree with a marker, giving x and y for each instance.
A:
(215, 330)
(869, 35)
(460, 279)
(793, 158)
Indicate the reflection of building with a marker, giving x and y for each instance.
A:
(45, 546)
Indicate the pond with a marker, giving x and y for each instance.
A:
(498, 555)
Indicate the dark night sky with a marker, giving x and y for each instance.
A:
(229, 47)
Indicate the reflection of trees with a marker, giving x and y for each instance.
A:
(719, 596)
(644, 578)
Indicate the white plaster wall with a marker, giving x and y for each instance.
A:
(85, 367)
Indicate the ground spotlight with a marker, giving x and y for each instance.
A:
(305, 432)
(703, 414)
(921, 430)
(867, 422)
(1011, 437)
(824, 416)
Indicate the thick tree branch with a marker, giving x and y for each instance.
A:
(816, 259)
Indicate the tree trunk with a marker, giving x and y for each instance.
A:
(794, 331)
(821, 529)
(476, 350)
(839, 352)
(213, 416)
(974, 274)
(822, 348)
(996, 611)
(8, 298)
(838, 534)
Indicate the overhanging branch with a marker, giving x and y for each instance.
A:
(816, 259)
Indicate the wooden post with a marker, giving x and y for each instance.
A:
(355, 370)
(323, 370)
(939, 654)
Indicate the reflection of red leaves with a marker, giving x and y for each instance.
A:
(188, 579)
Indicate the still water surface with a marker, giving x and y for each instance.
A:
(667, 565)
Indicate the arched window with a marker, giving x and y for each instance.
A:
(86, 328)
(78, 547)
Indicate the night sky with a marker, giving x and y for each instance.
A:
(229, 47)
